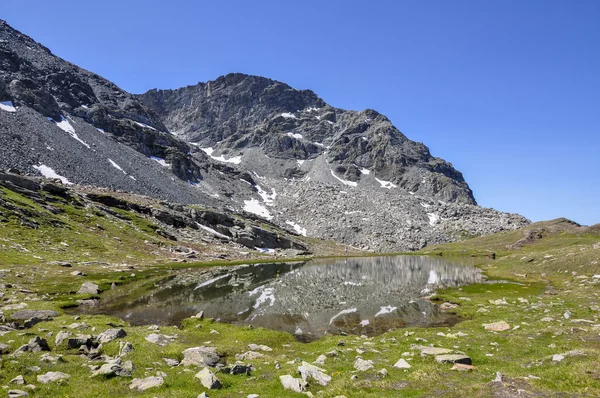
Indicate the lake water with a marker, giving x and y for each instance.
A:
(356, 295)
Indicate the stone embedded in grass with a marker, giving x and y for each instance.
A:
(4, 349)
(19, 380)
(453, 358)
(52, 377)
(256, 347)
(434, 350)
(115, 367)
(362, 365)
(294, 384)
(171, 362)
(111, 334)
(61, 337)
(125, 348)
(160, 339)
(88, 288)
(208, 379)
(17, 394)
(200, 356)
(249, 356)
(145, 384)
(78, 340)
(497, 326)
(402, 364)
(307, 370)
(28, 314)
(320, 360)
(462, 367)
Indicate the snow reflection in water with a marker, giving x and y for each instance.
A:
(357, 295)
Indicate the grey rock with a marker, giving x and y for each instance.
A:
(125, 348)
(4, 349)
(115, 367)
(79, 340)
(257, 347)
(362, 365)
(111, 334)
(159, 339)
(146, 383)
(20, 380)
(61, 337)
(307, 370)
(17, 394)
(434, 350)
(38, 344)
(208, 379)
(453, 358)
(249, 356)
(171, 362)
(200, 356)
(402, 364)
(28, 314)
(88, 288)
(290, 383)
(52, 377)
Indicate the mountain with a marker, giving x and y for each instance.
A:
(238, 143)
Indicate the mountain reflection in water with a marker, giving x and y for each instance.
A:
(356, 295)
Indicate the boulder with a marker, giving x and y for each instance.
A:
(200, 356)
(290, 383)
(402, 364)
(307, 370)
(28, 314)
(88, 288)
(208, 379)
(362, 365)
(52, 377)
(453, 358)
(144, 384)
(497, 326)
(111, 334)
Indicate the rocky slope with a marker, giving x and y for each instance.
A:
(239, 143)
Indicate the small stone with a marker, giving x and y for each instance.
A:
(203, 395)
(171, 362)
(208, 379)
(320, 360)
(200, 356)
(88, 288)
(249, 356)
(20, 380)
(402, 364)
(557, 357)
(125, 348)
(52, 376)
(256, 347)
(383, 372)
(144, 384)
(290, 383)
(110, 335)
(434, 350)
(498, 378)
(61, 337)
(159, 339)
(307, 370)
(362, 365)
(456, 358)
(253, 396)
(497, 326)
(462, 367)
(17, 394)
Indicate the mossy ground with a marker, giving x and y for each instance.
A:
(540, 282)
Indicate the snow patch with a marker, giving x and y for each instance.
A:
(295, 135)
(145, 125)
(345, 182)
(348, 283)
(433, 218)
(425, 205)
(116, 166)
(311, 109)
(253, 206)
(234, 159)
(49, 173)
(267, 294)
(288, 115)
(297, 228)
(348, 311)
(433, 278)
(364, 322)
(7, 106)
(300, 162)
(66, 126)
(365, 171)
(386, 184)
(210, 281)
(100, 130)
(161, 161)
(386, 310)
(319, 144)
(212, 231)
(268, 199)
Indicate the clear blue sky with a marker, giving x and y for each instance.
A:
(508, 91)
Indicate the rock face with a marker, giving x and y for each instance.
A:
(240, 142)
